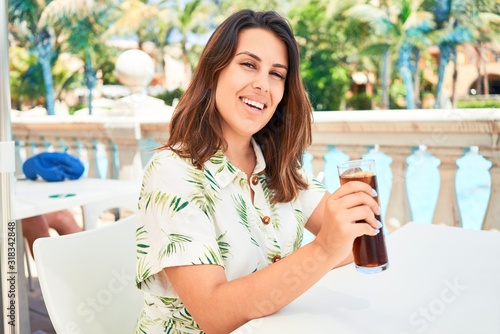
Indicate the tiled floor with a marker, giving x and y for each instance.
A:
(39, 319)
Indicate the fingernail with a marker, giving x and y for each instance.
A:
(377, 231)
(379, 223)
(374, 192)
(379, 210)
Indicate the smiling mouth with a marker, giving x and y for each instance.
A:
(253, 104)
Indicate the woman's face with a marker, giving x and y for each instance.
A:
(251, 86)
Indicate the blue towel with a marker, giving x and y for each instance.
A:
(53, 166)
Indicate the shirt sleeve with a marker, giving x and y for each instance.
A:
(310, 198)
(172, 230)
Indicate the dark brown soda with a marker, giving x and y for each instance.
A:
(368, 251)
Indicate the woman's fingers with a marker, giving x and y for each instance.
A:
(355, 199)
(363, 215)
(353, 187)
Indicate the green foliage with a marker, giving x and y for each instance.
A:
(26, 87)
(360, 101)
(397, 95)
(26, 79)
(479, 104)
(72, 109)
(336, 38)
(170, 96)
(324, 53)
(105, 62)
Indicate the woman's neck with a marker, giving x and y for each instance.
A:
(242, 155)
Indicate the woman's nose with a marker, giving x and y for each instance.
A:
(261, 83)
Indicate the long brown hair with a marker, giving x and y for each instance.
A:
(196, 123)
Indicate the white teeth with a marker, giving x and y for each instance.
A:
(253, 103)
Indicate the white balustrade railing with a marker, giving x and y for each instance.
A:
(446, 134)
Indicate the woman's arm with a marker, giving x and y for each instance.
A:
(220, 306)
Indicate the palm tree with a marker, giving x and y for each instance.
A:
(485, 26)
(328, 53)
(145, 21)
(188, 17)
(82, 24)
(166, 23)
(450, 32)
(400, 27)
(38, 38)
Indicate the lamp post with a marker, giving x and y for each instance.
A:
(8, 227)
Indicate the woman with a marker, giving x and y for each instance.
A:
(224, 202)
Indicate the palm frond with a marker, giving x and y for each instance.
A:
(176, 244)
(376, 17)
(210, 257)
(223, 246)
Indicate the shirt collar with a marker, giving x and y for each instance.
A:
(224, 172)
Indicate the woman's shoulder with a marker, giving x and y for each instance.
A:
(167, 157)
(167, 164)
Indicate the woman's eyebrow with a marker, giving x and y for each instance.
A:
(254, 56)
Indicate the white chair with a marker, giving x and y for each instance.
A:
(87, 279)
(92, 211)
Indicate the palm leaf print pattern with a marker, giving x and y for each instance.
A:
(299, 217)
(220, 159)
(315, 184)
(163, 200)
(150, 168)
(242, 209)
(143, 273)
(211, 257)
(143, 270)
(274, 250)
(205, 196)
(175, 245)
(223, 246)
(268, 194)
(140, 236)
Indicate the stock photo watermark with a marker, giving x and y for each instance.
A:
(425, 315)
(97, 302)
(291, 281)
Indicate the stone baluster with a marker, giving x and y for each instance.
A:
(77, 147)
(111, 155)
(447, 211)
(318, 153)
(30, 147)
(492, 217)
(74, 146)
(45, 144)
(398, 210)
(49, 144)
(90, 144)
(62, 146)
(126, 138)
(354, 152)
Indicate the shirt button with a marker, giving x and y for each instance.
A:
(266, 220)
(255, 180)
(276, 258)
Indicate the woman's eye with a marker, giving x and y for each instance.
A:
(278, 75)
(246, 64)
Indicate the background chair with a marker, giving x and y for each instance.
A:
(92, 211)
(87, 279)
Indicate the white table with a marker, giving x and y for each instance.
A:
(32, 198)
(440, 280)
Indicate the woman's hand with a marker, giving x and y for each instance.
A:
(352, 202)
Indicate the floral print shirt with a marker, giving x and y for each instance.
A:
(192, 216)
